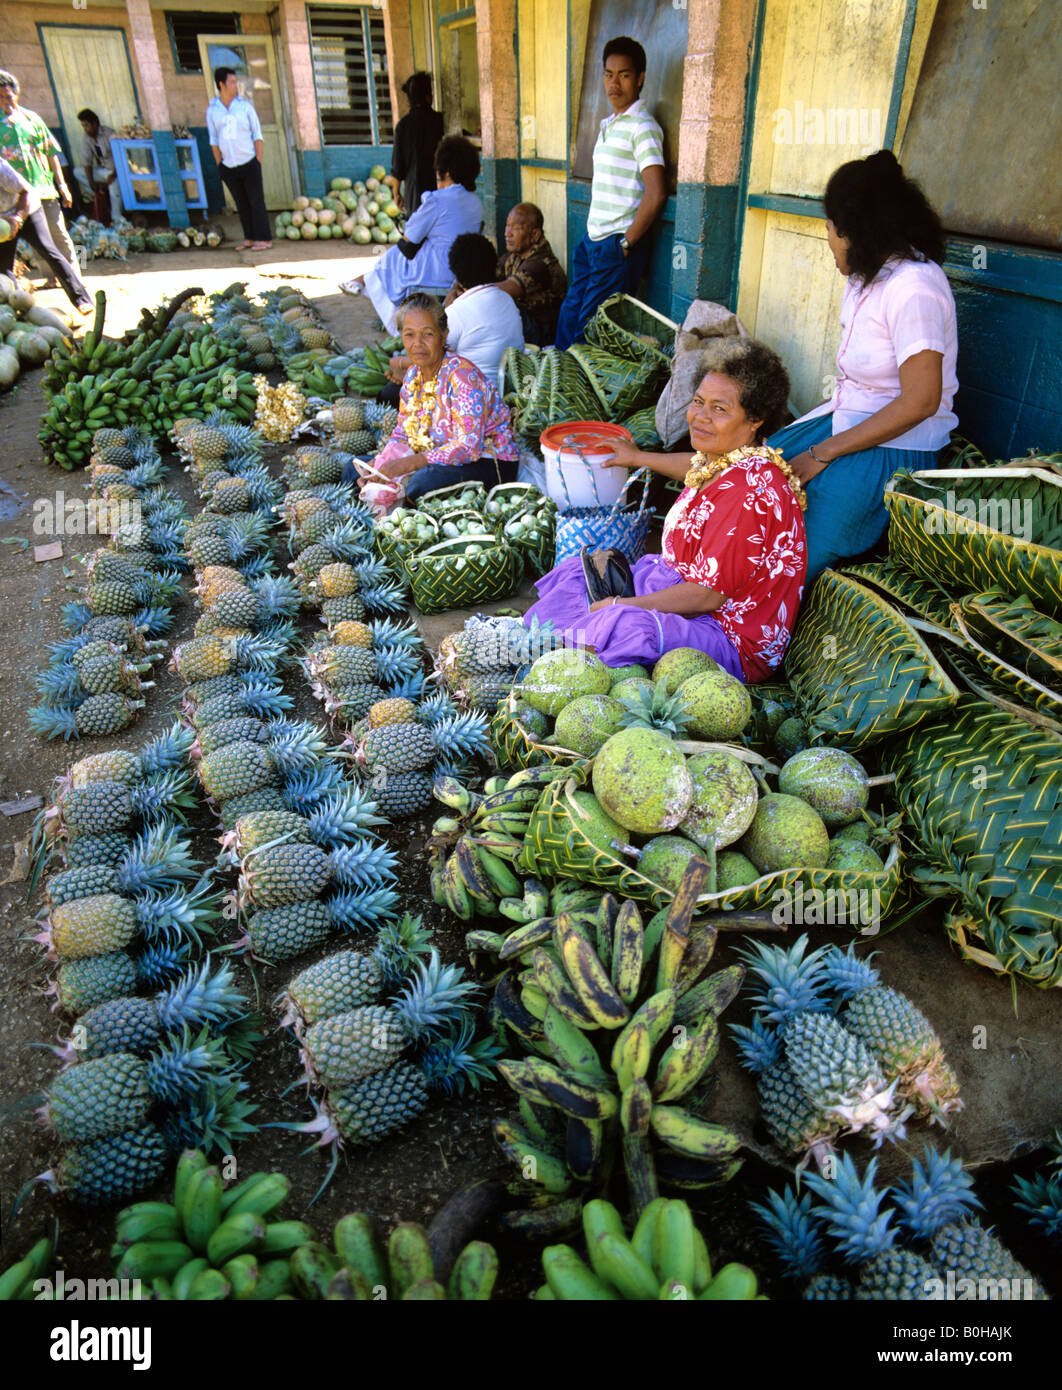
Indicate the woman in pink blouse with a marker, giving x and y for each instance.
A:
(452, 425)
(891, 405)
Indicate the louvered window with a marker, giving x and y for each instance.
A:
(350, 75)
(185, 26)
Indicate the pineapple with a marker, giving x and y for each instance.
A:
(107, 849)
(260, 828)
(900, 1035)
(656, 709)
(360, 1041)
(349, 608)
(278, 874)
(107, 1171)
(335, 581)
(157, 858)
(282, 933)
(346, 817)
(236, 770)
(398, 748)
(796, 1124)
(483, 691)
(80, 985)
(359, 442)
(94, 717)
(202, 658)
(198, 998)
(348, 634)
(91, 926)
(401, 794)
(206, 442)
(347, 414)
(391, 712)
(349, 979)
(265, 799)
(258, 697)
(352, 700)
(230, 729)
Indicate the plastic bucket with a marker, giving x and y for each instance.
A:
(570, 481)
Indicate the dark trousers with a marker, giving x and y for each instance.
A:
(541, 334)
(244, 182)
(36, 231)
(599, 269)
(438, 475)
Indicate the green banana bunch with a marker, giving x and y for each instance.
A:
(16, 1282)
(360, 1268)
(664, 1258)
(211, 1242)
(618, 1026)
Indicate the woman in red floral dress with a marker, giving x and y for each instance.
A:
(731, 576)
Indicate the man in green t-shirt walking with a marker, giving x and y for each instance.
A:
(31, 149)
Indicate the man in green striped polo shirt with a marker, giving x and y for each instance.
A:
(626, 195)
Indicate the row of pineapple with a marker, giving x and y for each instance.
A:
(95, 677)
(280, 328)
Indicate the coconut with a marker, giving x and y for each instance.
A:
(665, 859)
(719, 705)
(641, 779)
(587, 723)
(680, 664)
(533, 720)
(724, 799)
(830, 780)
(631, 688)
(596, 824)
(734, 870)
(626, 673)
(850, 854)
(790, 737)
(786, 833)
(559, 677)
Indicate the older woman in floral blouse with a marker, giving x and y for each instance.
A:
(452, 425)
(731, 576)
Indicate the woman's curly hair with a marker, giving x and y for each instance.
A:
(458, 157)
(883, 213)
(762, 381)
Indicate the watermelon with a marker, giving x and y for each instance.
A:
(324, 233)
(378, 236)
(362, 235)
(338, 184)
(384, 222)
(308, 231)
(377, 172)
(292, 233)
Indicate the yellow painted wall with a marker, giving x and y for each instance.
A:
(543, 30)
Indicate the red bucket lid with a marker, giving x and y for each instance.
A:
(585, 434)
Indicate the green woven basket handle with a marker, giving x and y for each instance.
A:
(569, 443)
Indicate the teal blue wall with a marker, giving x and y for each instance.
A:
(1010, 346)
(318, 167)
(705, 246)
(214, 189)
(656, 288)
(499, 190)
(170, 176)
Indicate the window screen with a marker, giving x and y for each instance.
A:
(350, 75)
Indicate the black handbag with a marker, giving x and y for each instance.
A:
(607, 574)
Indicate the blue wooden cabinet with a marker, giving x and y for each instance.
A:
(140, 179)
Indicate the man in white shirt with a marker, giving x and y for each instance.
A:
(97, 161)
(236, 140)
(626, 195)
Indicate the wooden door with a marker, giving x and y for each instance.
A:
(89, 67)
(253, 60)
(543, 40)
(834, 85)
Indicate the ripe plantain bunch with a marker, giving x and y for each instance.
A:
(620, 1026)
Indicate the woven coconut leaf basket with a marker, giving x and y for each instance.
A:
(923, 597)
(557, 846)
(625, 327)
(515, 746)
(982, 792)
(513, 500)
(622, 386)
(446, 576)
(859, 669)
(451, 499)
(561, 391)
(1017, 631)
(393, 553)
(982, 528)
(642, 427)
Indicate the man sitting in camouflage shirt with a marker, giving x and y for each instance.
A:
(531, 273)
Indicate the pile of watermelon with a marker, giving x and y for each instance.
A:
(362, 210)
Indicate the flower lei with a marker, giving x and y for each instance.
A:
(420, 414)
(703, 469)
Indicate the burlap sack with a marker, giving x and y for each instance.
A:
(704, 320)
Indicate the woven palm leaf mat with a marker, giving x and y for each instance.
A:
(982, 528)
(859, 669)
(626, 327)
(622, 386)
(642, 426)
(982, 792)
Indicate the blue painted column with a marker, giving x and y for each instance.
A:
(170, 178)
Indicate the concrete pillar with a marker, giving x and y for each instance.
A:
(156, 108)
(398, 36)
(715, 82)
(499, 183)
(295, 36)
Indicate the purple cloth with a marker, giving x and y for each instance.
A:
(622, 635)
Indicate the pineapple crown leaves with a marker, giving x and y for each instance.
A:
(793, 1232)
(158, 963)
(158, 858)
(166, 752)
(367, 864)
(216, 1118)
(384, 598)
(202, 996)
(396, 663)
(50, 722)
(345, 818)
(59, 685)
(938, 1193)
(462, 735)
(169, 918)
(435, 995)
(154, 620)
(256, 651)
(454, 1061)
(168, 794)
(791, 981)
(1040, 1198)
(278, 595)
(850, 1210)
(846, 974)
(389, 632)
(296, 746)
(356, 909)
(398, 946)
(656, 709)
(177, 1069)
(438, 705)
(313, 787)
(760, 1047)
(372, 570)
(408, 688)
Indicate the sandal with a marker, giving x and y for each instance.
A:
(243, 246)
(261, 246)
